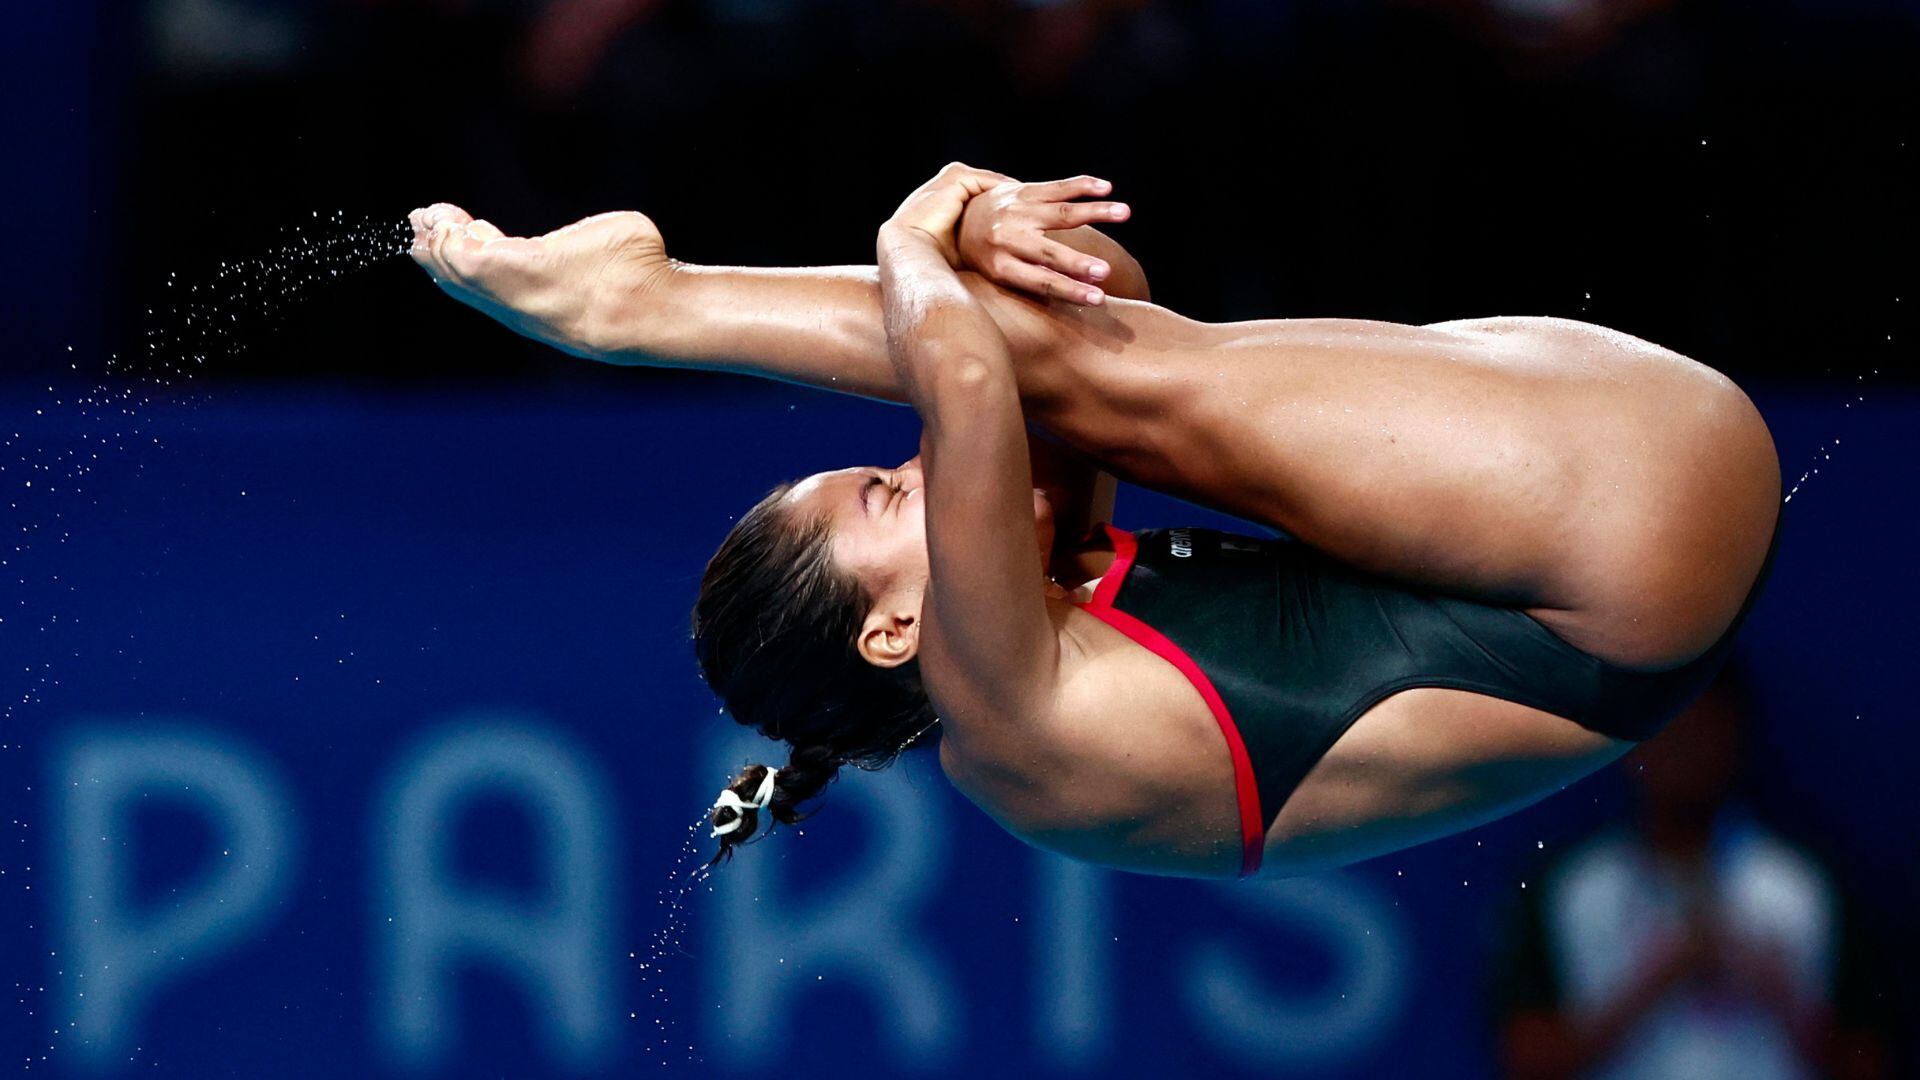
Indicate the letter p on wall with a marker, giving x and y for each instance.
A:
(116, 953)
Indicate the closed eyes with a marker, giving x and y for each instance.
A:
(866, 489)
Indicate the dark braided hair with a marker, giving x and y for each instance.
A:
(775, 628)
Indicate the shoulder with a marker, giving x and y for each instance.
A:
(1023, 767)
(1022, 792)
(1123, 733)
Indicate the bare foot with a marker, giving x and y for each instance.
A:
(545, 287)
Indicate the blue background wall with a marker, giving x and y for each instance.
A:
(358, 665)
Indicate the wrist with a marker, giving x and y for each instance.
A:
(897, 236)
(895, 233)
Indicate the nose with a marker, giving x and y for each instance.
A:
(911, 474)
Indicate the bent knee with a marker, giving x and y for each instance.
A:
(1670, 570)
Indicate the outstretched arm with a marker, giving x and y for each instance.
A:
(605, 289)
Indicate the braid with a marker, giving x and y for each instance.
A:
(807, 773)
(809, 770)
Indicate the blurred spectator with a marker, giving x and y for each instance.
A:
(1689, 942)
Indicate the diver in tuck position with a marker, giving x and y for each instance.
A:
(1515, 546)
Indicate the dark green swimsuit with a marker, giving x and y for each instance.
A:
(1289, 647)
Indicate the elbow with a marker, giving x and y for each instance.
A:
(969, 392)
(955, 371)
(976, 376)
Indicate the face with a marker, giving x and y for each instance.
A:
(879, 522)
(878, 518)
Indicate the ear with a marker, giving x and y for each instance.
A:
(890, 636)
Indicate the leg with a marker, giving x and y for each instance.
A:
(604, 289)
(1424, 764)
(1622, 494)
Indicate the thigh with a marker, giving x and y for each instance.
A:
(1424, 764)
(1621, 493)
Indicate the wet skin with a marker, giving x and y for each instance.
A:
(1621, 494)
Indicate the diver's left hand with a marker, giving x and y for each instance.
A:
(1004, 235)
(934, 207)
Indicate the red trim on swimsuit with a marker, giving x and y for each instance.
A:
(1252, 835)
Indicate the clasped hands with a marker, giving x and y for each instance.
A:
(993, 224)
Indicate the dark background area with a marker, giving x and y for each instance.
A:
(1734, 180)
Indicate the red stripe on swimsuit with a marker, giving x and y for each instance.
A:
(1252, 830)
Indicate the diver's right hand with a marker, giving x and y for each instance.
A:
(551, 288)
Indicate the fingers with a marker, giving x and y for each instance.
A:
(1075, 275)
(1055, 197)
(1079, 187)
(1072, 215)
(1031, 246)
(1035, 249)
(1006, 233)
(1044, 282)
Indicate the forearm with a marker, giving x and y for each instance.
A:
(984, 566)
(937, 334)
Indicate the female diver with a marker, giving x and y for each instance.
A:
(1514, 546)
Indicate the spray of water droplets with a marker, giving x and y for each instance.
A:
(196, 323)
(1824, 453)
(45, 459)
(689, 873)
(199, 322)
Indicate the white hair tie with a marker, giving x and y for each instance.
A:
(761, 798)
